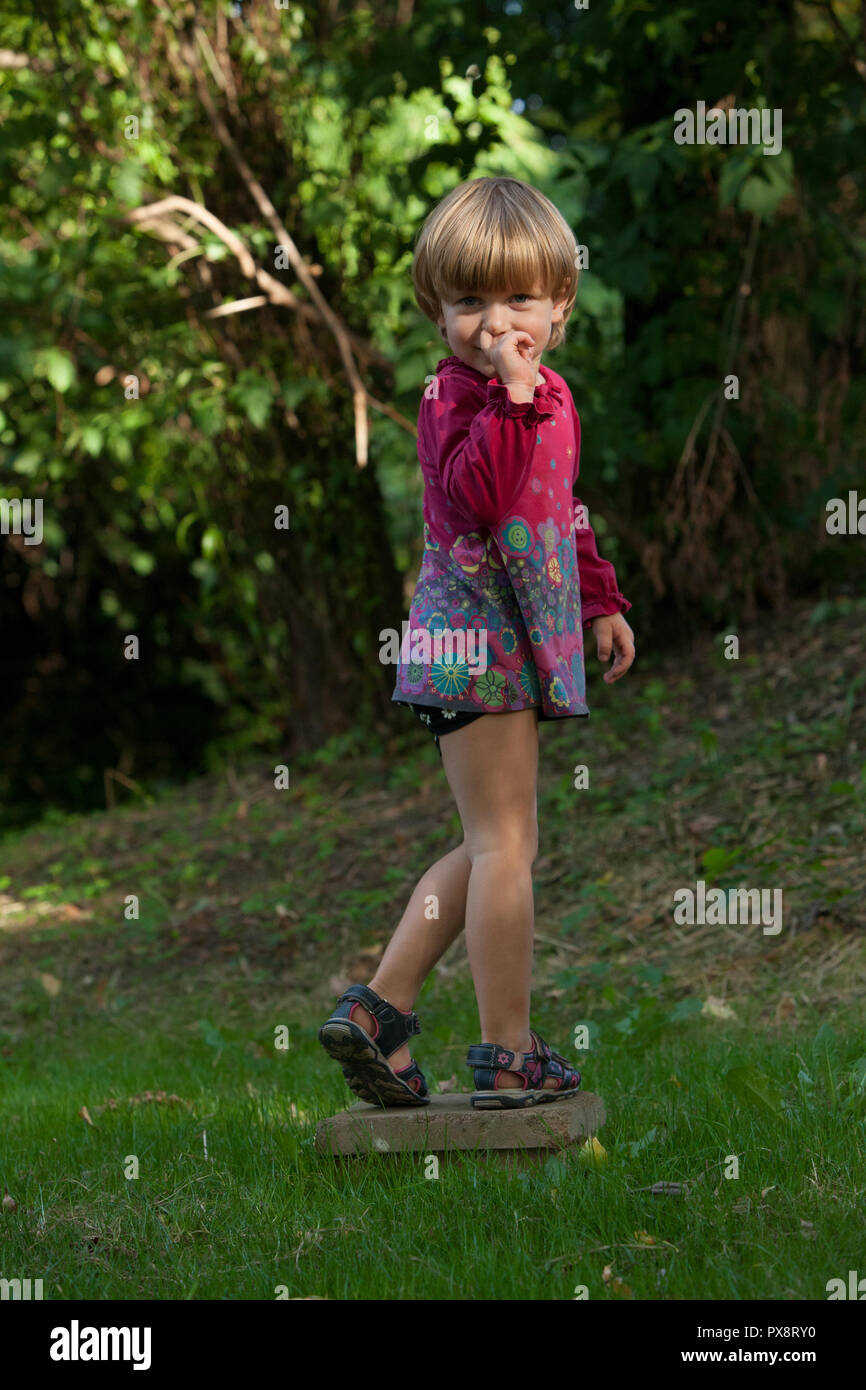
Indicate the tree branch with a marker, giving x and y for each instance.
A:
(155, 217)
(269, 213)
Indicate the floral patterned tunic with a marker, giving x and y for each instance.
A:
(504, 540)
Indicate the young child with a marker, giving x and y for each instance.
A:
(498, 444)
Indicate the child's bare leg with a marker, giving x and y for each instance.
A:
(491, 766)
(420, 941)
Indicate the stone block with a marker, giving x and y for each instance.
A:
(449, 1124)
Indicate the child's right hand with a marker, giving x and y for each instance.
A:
(513, 358)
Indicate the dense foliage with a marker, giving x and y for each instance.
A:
(300, 147)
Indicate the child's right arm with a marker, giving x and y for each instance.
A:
(479, 444)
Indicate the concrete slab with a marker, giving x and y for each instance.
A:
(450, 1125)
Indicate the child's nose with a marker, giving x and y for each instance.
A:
(497, 320)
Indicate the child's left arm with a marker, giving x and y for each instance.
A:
(603, 607)
(614, 632)
(602, 603)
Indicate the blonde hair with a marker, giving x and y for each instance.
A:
(492, 234)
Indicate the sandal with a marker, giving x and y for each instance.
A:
(490, 1060)
(364, 1057)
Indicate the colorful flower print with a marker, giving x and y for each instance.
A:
(492, 618)
(470, 552)
(536, 555)
(529, 683)
(554, 573)
(450, 678)
(557, 693)
(549, 533)
(494, 559)
(490, 688)
(416, 678)
(516, 536)
(566, 556)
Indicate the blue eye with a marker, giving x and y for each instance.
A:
(514, 296)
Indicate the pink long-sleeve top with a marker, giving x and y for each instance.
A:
(508, 551)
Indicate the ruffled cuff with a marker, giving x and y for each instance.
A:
(541, 406)
(606, 607)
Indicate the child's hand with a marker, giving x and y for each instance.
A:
(614, 632)
(513, 357)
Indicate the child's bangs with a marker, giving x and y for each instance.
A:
(493, 256)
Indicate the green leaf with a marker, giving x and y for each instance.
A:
(685, 1008)
(555, 1169)
(91, 438)
(857, 1072)
(638, 1145)
(753, 1088)
(128, 182)
(28, 462)
(211, 542)
(180, 533)
(826, 1052)
(568, 979)
(58, 366)
(255, 394)
(211, 1035)
(709, 740)
(650, 974)
(717, 860)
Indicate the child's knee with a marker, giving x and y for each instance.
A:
(515, 840)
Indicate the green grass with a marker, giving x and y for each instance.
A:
(263, 1211)
(706, 1042)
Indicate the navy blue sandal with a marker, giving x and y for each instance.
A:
(364, 1058)
(490, 1060)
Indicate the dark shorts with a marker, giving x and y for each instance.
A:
(441, 721)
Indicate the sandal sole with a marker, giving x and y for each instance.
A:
(366, 1071)
(522, 1100)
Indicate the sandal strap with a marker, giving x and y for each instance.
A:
(489, 1059)
(491, 1055)
(534, 1069)
(380, 1008)
(410, 1074)
(553, 1063)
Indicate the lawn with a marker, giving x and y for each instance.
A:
(157, 1143)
